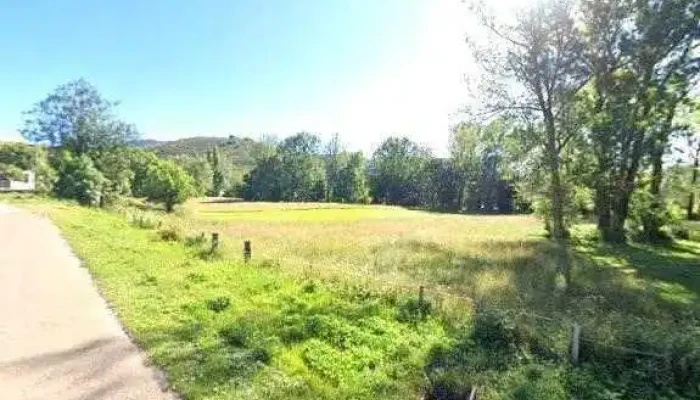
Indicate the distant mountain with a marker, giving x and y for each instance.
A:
(188, 146)
(237, 152)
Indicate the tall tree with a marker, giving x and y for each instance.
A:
(643, 63)
(538, 61)
(75, 116)
(690, 151)
(217, 179)
(349, 184)
(464, 155)
(201, 172)
(396, 169)
(332, 161)
(302, 169)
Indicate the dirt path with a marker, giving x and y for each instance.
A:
(58, 339)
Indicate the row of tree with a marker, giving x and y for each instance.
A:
(82, 151)
(399, 172)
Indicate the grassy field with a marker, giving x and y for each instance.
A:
(328, 307)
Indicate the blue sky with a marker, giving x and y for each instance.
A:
(363, 68)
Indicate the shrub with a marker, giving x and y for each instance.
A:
(167, 183)
(414, 310)
(145, 221)
(79, 179)
(680, 232)
(261, 354)
(237, 335)
(170, 234)
(218, 304)
(196, 241)
(496, 332)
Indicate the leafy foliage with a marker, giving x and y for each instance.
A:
(166, 182)
(79, 179)
(396, 171)
(76, 117)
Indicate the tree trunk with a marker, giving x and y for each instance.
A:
(693, 181)
(651, 220)
(620, 210)
(558, 226)
(602, 202)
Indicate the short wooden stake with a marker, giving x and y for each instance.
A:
(214, 242)
(472, 395)
(575, 342)
(421, 299)
(247, 252)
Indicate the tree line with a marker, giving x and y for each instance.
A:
(80, 150)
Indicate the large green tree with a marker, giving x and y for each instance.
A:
(167, 183)
(642, 59)
(302, 176)
(76, 117)
(534, 69)
(201, 172)
(396, 171)
(349, 181)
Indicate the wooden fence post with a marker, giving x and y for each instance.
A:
(421, 300)
(575, 342)
(247, 251)
(214, 242)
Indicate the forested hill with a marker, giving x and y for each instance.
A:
(239, 151)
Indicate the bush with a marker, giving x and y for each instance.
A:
(145, 221)
(196, 241)
(167, 183)
(261, 354)
(170, 234)
(218, 304)
(680, 232)
(414, 310)
(78, 179)
(496, 332)
(645, 220)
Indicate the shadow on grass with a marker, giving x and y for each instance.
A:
(625, 297)
(579, 282)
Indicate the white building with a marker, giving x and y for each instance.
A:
(26, 185)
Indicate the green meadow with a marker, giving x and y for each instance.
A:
(329, 306)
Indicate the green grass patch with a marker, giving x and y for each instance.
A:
(328, 306)
(224, 330)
